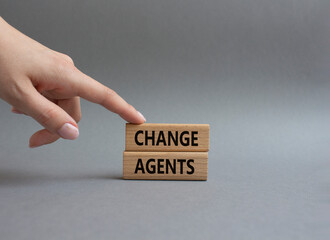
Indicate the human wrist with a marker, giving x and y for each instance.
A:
(3, 29)
(3, 23)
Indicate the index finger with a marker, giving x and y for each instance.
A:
(95, 92)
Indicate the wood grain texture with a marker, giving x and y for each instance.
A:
(167, 137)
(165, 165)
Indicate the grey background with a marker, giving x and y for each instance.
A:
(256, 70)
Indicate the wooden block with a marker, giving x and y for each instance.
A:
(165, 165)
(167, 137)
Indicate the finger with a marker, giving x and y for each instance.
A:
(15, 110)
(48, 114)
(42, 137)
(94, 91)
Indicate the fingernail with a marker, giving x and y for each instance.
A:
(142, 116)
(68, 131)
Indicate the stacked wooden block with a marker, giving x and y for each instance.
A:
(166, 151)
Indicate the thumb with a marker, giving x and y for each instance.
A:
(49, 115)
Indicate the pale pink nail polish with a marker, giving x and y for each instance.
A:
(142, 116)
(68, 131)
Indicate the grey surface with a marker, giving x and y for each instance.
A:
(256, 70)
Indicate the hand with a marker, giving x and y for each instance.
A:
(46, 85)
